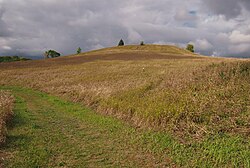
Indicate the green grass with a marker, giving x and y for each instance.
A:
(51, 132)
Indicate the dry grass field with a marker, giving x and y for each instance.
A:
(148, 86)
(163, 88)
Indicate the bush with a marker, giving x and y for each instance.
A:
(6, 106)
(190, 47)
(79, 50)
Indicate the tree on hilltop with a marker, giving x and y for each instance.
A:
(79, 50)
(51, 54)
(190, 47)
(121, 43)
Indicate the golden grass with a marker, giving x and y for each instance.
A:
(6, 106)
(188, 97)
(162, 49)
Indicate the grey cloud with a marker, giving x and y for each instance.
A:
(30, 27)
(229, 8)
(246, 4)
(4, 32)
(185, 15)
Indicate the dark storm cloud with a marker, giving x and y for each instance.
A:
(229, 8)
(4, 32)
(29, 27)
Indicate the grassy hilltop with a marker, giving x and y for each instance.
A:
(195, 99)
(160, 49)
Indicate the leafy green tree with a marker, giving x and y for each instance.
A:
(79, 50)
(51, 54)
(54, 54)
(121, 43)
(190, 47)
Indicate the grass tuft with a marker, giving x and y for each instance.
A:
(6, 113)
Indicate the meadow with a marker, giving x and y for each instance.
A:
(202, 102)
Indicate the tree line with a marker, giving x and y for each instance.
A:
(12, 59)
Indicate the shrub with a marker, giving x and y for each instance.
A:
(190, 47)
(6, 106)
(79, 50)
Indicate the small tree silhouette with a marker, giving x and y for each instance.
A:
(142, 43)
(190, 47)
(121, 43)
(79, 50)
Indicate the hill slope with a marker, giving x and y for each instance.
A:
(159, 49)
(122, 53)
(147, 85)
(190, 97)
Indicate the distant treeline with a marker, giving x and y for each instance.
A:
(12, 59)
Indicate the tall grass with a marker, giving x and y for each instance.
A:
(190, 98)
(6, 105)
(215, 99)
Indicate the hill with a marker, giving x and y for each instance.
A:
(163, 88)
(151, 85)
(122, 53)
(159, 49)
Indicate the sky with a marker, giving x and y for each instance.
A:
(215, 27)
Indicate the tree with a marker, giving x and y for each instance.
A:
(121, 43)
(46, 54)
(190, 47)
(79, 50)
(52, 54)
(142, 43)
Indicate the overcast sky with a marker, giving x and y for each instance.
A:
(215, 27)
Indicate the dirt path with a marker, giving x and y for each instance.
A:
(49, 132)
